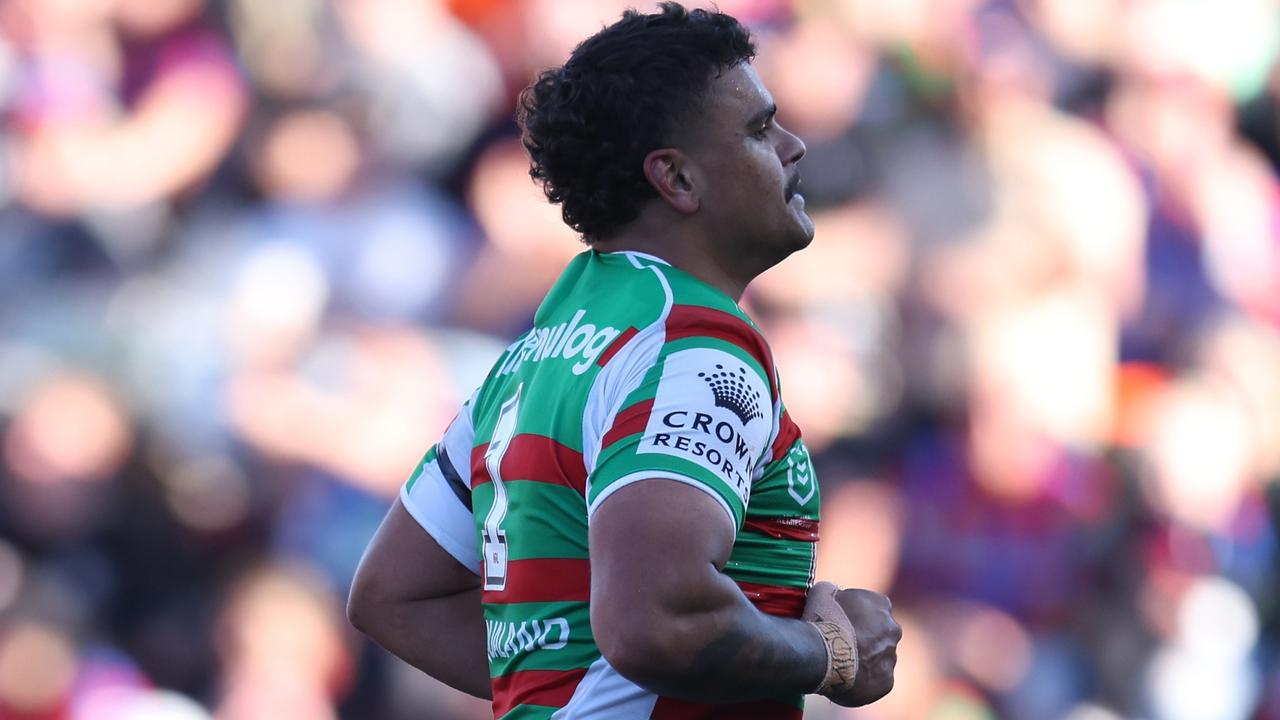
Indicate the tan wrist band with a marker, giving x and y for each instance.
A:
(842, 659)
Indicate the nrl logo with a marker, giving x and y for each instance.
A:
(732, 392)
(800, 482)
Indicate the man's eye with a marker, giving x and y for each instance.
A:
(764, 130)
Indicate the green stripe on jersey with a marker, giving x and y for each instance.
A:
(737, 351)
(543, 520)
(623, 463)
(788, 487)
(764, 560)
(539, 636)
(689, 290)
(546, 399)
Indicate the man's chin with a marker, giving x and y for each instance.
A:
(804, 223)
(796, 237)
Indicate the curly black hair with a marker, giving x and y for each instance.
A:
(589, 124)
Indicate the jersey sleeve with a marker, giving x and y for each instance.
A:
(702, 416)
(438, 494)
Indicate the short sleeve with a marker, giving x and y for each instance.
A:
(438, 494)
(702, 416)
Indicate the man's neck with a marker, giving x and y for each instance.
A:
(690, 254)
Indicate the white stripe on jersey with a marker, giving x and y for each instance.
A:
(636, 477)
(633, 254)
(460, 437)
(622, 374)
(432, 502)
(444, 517)
(604, 694)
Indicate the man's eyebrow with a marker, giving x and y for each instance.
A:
(763, 116)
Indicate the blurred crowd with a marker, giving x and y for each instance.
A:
(254, 254)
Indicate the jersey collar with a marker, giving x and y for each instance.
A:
(638, 254)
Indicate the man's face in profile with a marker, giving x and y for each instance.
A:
(746, 166)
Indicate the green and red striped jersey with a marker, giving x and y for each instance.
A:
(633, 370)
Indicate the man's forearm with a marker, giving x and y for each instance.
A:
(443, 637)
(756, 656)
(718, 647)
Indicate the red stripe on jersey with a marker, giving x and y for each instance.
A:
(784, 528)
(534, 457)
(788, 433)
(671, 709)
(552, 688)
(544, 580)
(629, 421)
(615, 346)
(479, 470)
(775, 599)
(696, 321)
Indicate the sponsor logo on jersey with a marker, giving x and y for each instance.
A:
(712, 452)
(732, 392)
(707, 410)
(566, 341)
(507, 639)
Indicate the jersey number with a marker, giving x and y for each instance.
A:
(495, 538)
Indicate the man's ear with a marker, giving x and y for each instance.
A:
(668, 171)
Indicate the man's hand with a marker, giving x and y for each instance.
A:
(867, 617)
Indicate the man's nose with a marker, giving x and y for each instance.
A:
(791, 148)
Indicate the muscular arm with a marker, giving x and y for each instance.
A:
(665, 615)
(414, 599)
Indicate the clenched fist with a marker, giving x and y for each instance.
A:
(862, 642)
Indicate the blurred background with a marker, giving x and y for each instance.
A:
(254, 254)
